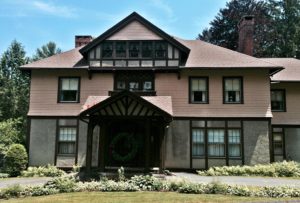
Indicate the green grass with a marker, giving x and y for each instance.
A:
(131, 197)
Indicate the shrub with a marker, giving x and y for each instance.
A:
(121, 174)
(146, 182)
(16, 159)
(62, 184)
(278, 169)
(11, 191)
(112, 186)
(4, 175)
(43, 171)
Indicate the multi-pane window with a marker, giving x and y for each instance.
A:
(198, 142)
(160, 50)
(134, 49)
(121, 49)
(147, 48)
(68, 90)
(216, 142)
(198, 90)
(134, 81)
(234, 143)
(233, 92)
(107, 49)
(278, 100)
(67, 140)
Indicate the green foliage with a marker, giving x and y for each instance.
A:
(148, 183)
(62, 184)
(11, 191)
(277, 26)
(4, 175)
(121, 174)
(278, 169)
(76, 168)
(43, 171)
(16, 159)
(39, 191)
(46, 50)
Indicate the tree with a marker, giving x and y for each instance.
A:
(46, 50)
(277, 27)
(224, 28)
(14, 85)
(284, 34)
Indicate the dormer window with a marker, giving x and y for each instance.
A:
(160, 50)
(107, 50)
(134, 49)
(121, 49)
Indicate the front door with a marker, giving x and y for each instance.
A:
(125, 144)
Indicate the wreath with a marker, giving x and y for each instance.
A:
(131, 154)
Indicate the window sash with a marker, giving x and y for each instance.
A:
(69, 84)
(66, 147)
(67, 138)
(277, 100)
(198, 90)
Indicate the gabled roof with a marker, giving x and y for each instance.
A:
(126, 103)
(291, 71)
(133, 17)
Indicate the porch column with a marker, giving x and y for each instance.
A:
(89, 147)
(147, 148)
(162, 150)
(102, 146)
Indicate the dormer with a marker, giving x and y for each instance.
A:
(135, 43)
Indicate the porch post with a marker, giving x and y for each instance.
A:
(162, 149)
(89, 149)
(147, 148)
(102, 146)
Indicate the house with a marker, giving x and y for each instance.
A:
(138, 97)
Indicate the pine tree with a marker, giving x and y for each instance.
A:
(46, 50)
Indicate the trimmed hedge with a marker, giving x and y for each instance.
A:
(278, 169)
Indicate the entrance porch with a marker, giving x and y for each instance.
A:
(132, 130)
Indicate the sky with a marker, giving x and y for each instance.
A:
(36, 22)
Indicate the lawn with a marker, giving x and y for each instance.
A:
(128, 197)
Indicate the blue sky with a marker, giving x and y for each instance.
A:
(36, 22)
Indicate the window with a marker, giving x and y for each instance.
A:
(147, 48)
(278, 141)
(198, 90)
(68, 90)
(198, 142)
(160, 50)
(233, 90)
(134, 49)
(278, 100)
(67, 140)
(121, 49)
(107, 50)
(134, 81)
(234, 143)
(216, 142)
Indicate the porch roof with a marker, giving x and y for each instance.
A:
(155, 105)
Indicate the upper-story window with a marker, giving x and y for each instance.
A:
(233, 90)
(160, 50)
(199, 90)
(121, 49)
(278, 100)
(135, 81)
(68, 89)
(134, 49)
(147, 48)
(107, 49)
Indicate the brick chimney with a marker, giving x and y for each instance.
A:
(81, 40)
(246, 32)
